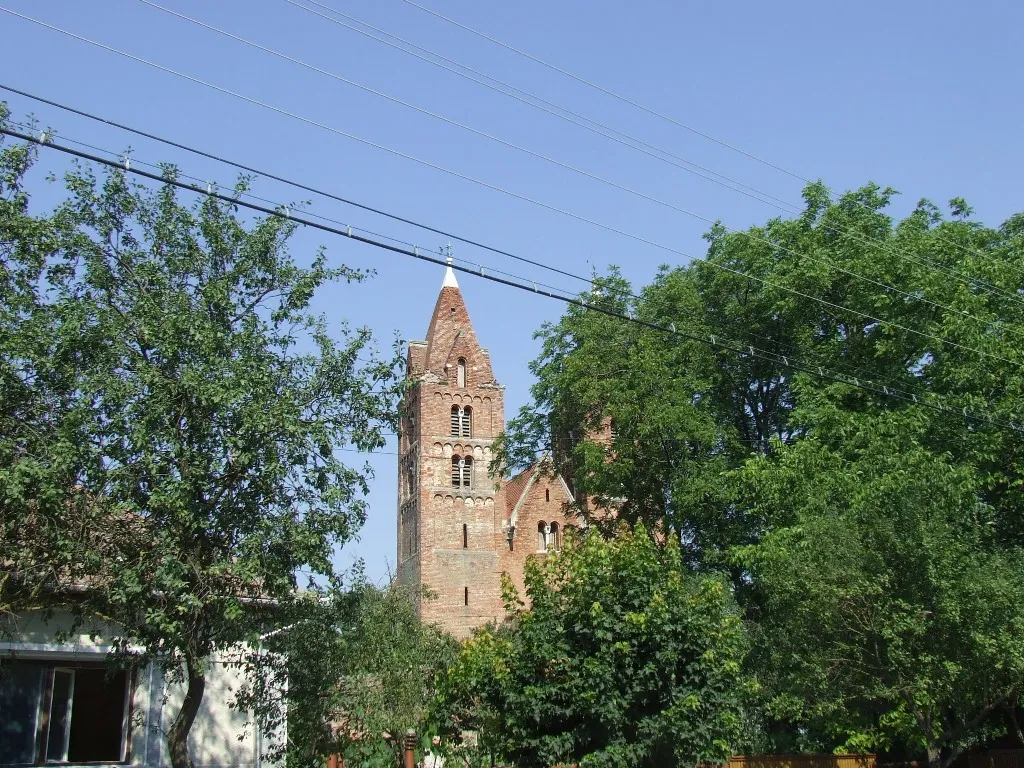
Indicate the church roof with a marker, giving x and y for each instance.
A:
(515, 487)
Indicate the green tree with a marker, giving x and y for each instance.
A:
(347, 672)
(890, 613)
(623, 659)
(929, 305)
(173, 413)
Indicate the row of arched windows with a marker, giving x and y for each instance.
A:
(462, 471)
(462, 421)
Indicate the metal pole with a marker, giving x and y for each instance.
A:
(410, 749)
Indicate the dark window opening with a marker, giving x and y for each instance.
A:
(554, 540)
(547, 494)
(465, 536)
(456, 421)
(62, 713)
(467, 472)
(456, 471)
(465, 595)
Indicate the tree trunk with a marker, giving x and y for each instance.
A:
(177, 734)
(934, 757)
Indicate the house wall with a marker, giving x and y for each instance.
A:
(219, 737)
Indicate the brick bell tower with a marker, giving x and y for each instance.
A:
(451, 512)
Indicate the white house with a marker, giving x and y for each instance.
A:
(59, 706)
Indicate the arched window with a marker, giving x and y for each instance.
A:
(467, 472)
(456, 471)
(465, 536)
(460, 376)
(542, 536)
(462, 421)
(554, 540)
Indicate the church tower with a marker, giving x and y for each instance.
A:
(452, 518)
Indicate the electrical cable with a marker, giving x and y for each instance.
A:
(713, 341)
(832, 195)
(502, 190)
(913, 296)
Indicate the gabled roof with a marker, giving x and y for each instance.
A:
(519, 486)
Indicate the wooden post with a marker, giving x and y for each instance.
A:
(410, 749)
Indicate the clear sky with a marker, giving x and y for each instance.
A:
(913, 94)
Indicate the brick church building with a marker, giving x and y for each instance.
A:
(459, 526)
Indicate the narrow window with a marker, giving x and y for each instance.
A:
(465, 595)
(554, 539)
(467, 472)
(456, 471)
(456, 420)
(467, 421)
(465, 536)
(542, 537)
(460, 378)
(547, 494)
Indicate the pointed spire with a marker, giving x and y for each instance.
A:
(449, 275)
(449, 279)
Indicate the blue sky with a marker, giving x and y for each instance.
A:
(915, 95)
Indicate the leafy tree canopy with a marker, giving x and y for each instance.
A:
(624, 659)
(813, 494)
(346, 673)
(171, 415)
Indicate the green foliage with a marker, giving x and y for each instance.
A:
(171, 416)
(624, 659)
(890, 612)
(348, 672)
(928, 304)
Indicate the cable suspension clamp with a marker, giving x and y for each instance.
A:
(348, 230)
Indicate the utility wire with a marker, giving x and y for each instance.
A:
(290, 182)
(249, 169)
(562, 113)
(916, 297)
(713, 341)
(847, 370)
(510, 193)
(639, 145)
(832, 195)
(609, 92)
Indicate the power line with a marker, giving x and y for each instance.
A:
(510, 193)
(775, 341)
(291, 182)
(574, 169)
(713, 341)
(847, 370)
(607, 132)
(562, 113)
(609, 92)
(832, 195)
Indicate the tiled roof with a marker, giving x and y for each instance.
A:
(514, 489)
